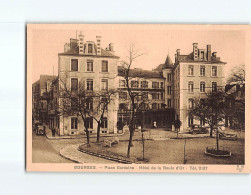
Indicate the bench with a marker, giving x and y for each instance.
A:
(109, 143)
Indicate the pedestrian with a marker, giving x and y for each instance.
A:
(53, 131)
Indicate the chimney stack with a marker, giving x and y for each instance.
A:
(111, 48)
(178, 52)
(81, 43)
(195, 51)
(214, 54)
(98, 45)
(66, 47)
(209, 53)
(74, 44)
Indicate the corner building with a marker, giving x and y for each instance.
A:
(195, 74)
(87, 62)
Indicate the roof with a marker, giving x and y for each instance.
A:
(189, 58)
(168, 64)
(104, 53)
(137, 72)
(45, 78)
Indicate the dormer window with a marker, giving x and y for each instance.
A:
(90, 48)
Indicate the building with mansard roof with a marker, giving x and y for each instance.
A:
(166, 92)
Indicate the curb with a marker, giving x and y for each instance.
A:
(80, 137)
(69, 158)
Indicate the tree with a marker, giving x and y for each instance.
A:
(236, 98)
(76, 101)
(103, 99)
(211, 110)
(130, 83)
(237, 75)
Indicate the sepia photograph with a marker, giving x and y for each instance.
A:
(136, 98)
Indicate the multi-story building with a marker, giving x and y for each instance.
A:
(40, 97)
(166, 93)
(85, 63)
(194, 75)
(150, 104)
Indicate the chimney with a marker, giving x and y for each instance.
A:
(81, 43)
(195, 51)
(178, 52)
(66, 47)
(111, 48)
(176, 60)
(98, 45)
(209, 53)
(74, 44)
(214, 54)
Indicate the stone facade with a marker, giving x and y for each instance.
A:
(195, 75)
(169, 89)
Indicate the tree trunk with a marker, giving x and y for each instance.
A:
(98, 132)
(217, 139)
(143, 146)
(211, 131)
(130, 141)
(87, 137)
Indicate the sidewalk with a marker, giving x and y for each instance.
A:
(49, 135)
(71, 152)
(150, 134)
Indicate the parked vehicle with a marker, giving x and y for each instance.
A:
(197, 129)
(40, 129)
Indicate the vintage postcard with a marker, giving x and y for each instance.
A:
(137, 98)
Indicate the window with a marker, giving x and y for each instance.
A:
(144, 84)
(169, 103)
(144, 96)
(122, 95)
(162, 96)
(214, 71)
(190, 70)
(104, 84)
(104, 123)
(134, 84)
(74, 103)
(89, 84)
(155, 85)
(202, 122)
(104, 104)
(190, 121)
(89, 104)
(74, 123)
(104, 66)
(122, 83)
(202, 55)
(143, 106)
(122, 106)
(190, 87)
(89, 123)
(161, 85)
(214, 86)
(190, 103)
(169, 90)
(202, 86)
(89, 65)
(74, 65)
(155, 96)
(154, 106)
(163, 106)
(74, 84)
(90, 48)
(202, 70)
(169, 77)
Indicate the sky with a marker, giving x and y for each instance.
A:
(155, 41)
